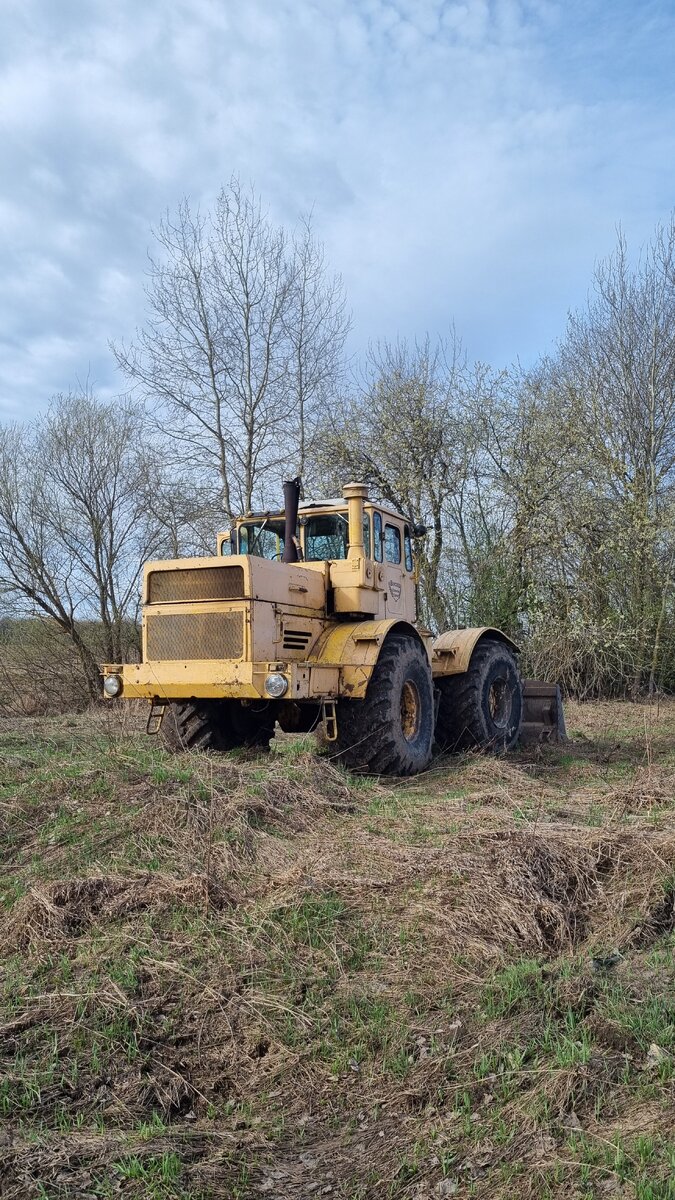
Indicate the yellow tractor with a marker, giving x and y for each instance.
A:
(308, 617)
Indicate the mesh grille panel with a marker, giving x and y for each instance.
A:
(195, 635)
(196, 583)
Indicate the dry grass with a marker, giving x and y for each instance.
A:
(259, 976)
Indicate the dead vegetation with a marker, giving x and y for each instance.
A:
(259, 976)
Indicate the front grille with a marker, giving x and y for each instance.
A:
(196, 583)
(195, 635)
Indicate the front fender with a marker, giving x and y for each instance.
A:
(451, 652)
(355, 647)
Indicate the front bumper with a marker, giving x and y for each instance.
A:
(234, 680)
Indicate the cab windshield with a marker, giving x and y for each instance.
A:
(265, 539)
(327, 537)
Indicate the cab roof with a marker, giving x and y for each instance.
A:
(334, 502)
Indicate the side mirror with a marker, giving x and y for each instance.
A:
(419, 531)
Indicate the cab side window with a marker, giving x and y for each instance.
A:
(377, 535)
(407, 543)
(392, 543)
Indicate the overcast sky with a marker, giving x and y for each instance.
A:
(465, 160)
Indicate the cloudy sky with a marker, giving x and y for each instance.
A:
(465, 160)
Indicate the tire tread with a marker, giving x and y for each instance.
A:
(365, 741)
(459, 712)
(214, 725)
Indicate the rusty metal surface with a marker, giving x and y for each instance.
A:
(451, 652)
(543, 713)
(179, 637)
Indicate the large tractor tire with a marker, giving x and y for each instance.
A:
(483, 708)
(390, 731)
(218, 725)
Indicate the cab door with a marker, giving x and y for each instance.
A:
(396, 582)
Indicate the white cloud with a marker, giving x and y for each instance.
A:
(465, 159)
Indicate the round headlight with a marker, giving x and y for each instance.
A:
(276, 685)
(112, 685)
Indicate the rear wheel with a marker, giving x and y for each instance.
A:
(482, 708)
(218, 725)
(390, 732)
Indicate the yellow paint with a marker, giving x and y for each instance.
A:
(340, 664)
(451, 652)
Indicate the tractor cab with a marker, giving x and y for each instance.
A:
(378, 561)
(323, 534)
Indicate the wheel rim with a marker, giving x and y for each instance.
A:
(499, 703)
(410, 710)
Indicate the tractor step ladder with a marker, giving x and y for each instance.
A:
(155, 717)
(329, 720)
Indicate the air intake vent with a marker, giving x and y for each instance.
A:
(196, 583)
(297, 639)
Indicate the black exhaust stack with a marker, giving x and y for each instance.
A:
(291, 505)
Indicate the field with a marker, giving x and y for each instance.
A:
(260, 977)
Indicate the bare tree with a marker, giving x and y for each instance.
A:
(316, 327)
(618, 364)
(78, 493)
(36, 571)
(404, 432)
(245, 333)
(527, 465)
(578, 461)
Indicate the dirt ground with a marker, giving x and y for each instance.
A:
(258, 976)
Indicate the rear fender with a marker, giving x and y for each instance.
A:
(451, 652)
(355, 648)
